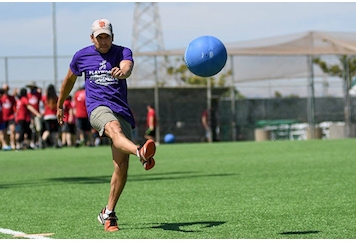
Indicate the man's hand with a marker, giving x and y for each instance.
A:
(60, 116)
(118, 73)
(122, 70)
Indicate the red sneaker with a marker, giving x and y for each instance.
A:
(147, 150)
(109, 221)
(149, 164)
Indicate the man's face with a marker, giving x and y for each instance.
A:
(102, 42)
(6, 88)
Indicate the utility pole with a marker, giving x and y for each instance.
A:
(54, 33)
(147, 36)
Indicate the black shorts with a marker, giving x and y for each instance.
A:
(9, 122)
(24, 128)
(83, 124)
(68, 128)
(152, 133)
(51, 125)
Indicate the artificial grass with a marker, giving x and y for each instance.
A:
(250, 190)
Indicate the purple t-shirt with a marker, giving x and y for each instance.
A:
(101, 88)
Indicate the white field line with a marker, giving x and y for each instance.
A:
(22, 234)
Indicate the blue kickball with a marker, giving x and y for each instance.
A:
(169, 138)
(205, 56)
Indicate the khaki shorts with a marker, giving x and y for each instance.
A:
(102, 115)
(38, 123)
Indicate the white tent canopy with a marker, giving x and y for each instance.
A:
(306, 43)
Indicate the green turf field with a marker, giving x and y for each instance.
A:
(268, 190)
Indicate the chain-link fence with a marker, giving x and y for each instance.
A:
(180, 111)
(250, 113)
(180, 107)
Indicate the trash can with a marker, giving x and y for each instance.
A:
(318, 134)
(262, 135)
(337, 131)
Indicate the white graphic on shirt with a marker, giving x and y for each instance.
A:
(33, 100)
(102, 65)
(6, 104)
(102, 76)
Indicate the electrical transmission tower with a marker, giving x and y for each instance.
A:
(147, 37)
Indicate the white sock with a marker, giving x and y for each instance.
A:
(107, 211)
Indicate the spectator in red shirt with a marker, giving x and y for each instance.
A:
(68, 128)
(209, 122)
(34, 95)
(8, 115)
(34, 99)
(206, 126)
(23, 119)
(82, 120)
(51, 129)
(4, 144)
(151, 123)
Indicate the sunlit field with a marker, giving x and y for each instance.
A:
(240, 190)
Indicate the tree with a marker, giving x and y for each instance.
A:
(277, 94)
(238, 95)
(347, 64)
(338, 70)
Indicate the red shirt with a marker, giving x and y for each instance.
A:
(22, 113)
(34, 100)
(50, 108)
(205, 114)
(1, 121)
(80, 108)
(67, 105)
(8, 107)
(151, 113)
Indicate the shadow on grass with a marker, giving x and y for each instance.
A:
(106, 179)
(137, 178)
(184, 227)
(300, 232)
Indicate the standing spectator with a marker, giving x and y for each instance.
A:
(151, 122)
(34, 99)
(81, 116)
(209, 122)
(4, 144)
(68, 128)
(8, 116)
(206, 126)
(51, 129)
(23, 119)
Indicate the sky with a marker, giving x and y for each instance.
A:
(26, 27)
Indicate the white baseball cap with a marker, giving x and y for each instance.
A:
(101, 26)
